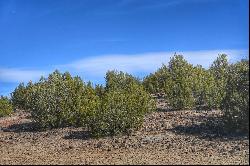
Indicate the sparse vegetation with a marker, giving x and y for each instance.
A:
(120, 106)
(223, 86)
(80, 111)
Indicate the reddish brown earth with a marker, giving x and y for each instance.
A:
(167, 137)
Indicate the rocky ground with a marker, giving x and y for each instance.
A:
(167, 137)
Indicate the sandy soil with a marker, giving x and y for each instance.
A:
(167, 137)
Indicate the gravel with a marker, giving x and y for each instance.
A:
(166, 137)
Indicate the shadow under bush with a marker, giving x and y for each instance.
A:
(212, 128)
(84, 135)
(23, 127)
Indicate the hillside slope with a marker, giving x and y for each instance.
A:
(167, 137)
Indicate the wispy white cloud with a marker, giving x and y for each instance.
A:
(94, 68)
(148, 62)
(20, 75)
(129, 63)
(206, 57)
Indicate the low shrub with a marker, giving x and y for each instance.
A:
(178, 87)
(119, 80)
(235, 104)
(156, 82)
(203, 88)
(20, 95)
(61, 100)
(123, 106)
(5, 106)
(219, 70)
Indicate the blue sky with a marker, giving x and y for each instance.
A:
(88, 37)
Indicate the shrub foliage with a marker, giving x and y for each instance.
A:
(20, 96)
(178, 87)
(5, 106)
(57, 101)
(223, 86)
(235, 104)
(62, 100)
(219, 70)
(203, 88)
(120, 106)
(123, 106)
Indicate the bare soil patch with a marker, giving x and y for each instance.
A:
(167, 137)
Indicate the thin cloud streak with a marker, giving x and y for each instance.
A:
(94, 68)
(20, 75)
(148, 62)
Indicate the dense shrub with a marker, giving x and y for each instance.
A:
(156, 82)
(178, 87)
(187, 86)
(119, 80)
(203, 88)
(176, 81)
(100, 90)
(61, 100)
(18, 96)
(222, 86)
(236, 101)
(5, 106)
(120, 106)
(151, 84)
(124, 105)
(219, 70)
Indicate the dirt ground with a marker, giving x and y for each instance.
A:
(167, 137)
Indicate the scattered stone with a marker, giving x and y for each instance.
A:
(166, 137)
